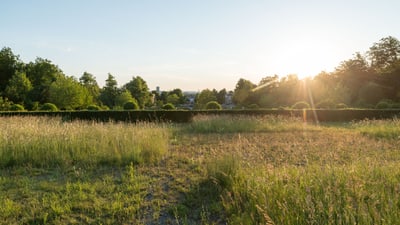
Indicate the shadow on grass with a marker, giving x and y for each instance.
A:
(201, 205)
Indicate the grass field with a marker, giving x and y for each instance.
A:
(215, 170)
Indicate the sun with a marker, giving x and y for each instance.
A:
(305, 57)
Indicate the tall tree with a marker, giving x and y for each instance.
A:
(243, 91)
(221, 96)
(203, 98)
(90, 83)
(139, 90)
(178, 92)
(124, 97)
(68, 93)
(42, 73)
(384, 54)
(109, 92)
(18, 88)
(10, 64)
(353, 74)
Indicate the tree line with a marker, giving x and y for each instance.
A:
(367, 80)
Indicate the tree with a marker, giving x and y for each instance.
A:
(68, 93)
(90, 83)
(124, 97)
(265, 90)
(221, 96)
(42, 73)
(178, 92)
(353, 74)
(203, 98)
(139, 90)
(10, 64)
(173, 98)
(384, 54)
(18, 88)
(109, 92)
(243, 91)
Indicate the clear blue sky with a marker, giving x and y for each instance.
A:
(195, 45)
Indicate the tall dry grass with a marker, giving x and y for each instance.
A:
(49, 142)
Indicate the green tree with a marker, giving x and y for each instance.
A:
(139, 90)
(18, 88)
(371, 93)
(221, 96)
(384, 54)
(109, 92)
(173, 98)
(68, 93)
(10, 64)
(265, 91)
(243, 91)
(90, 83)
(203, 98)
(353, 74)
(42, 73)
(124, 97)
(178, 92)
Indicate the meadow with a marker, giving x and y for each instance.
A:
(214, 170)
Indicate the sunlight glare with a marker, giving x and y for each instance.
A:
(305, 57)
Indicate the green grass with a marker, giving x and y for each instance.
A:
(389, 129)
(216, 170)
(239, 124)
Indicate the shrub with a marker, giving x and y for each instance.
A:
(131, 105)
(213, 105)
(49, 107)
(168, 106)
(395, 106)
(301, 105)
(382, 105)
(93, 108)
(253, 106)
(341, 106)
(17, 107)
(325, 104)
(5, 104)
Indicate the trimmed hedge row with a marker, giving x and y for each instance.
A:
(183, 116)
(321, 115)
(116, 116)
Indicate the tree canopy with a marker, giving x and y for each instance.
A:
(370, 79)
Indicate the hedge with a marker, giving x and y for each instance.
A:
(182, 116)
(115, 116)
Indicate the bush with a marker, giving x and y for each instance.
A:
(325, 104)
(49, 107)
(341, 106)
(213, 105)
(93, 108)
(301, 105)
(17, 107)
(253, 106)
(168, 106)
(131, 105)
(383, 105)
(395, 106)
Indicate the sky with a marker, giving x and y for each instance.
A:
(195, 44)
